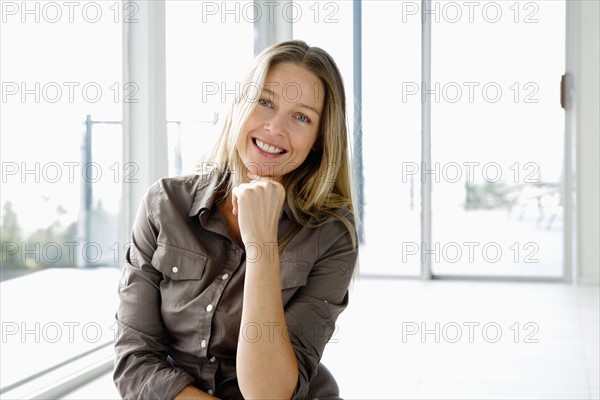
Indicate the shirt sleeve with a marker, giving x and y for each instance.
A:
(142, 370)
(312, 312)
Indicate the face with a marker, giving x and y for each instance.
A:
(284, 126)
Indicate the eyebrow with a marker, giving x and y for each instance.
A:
(299, 104)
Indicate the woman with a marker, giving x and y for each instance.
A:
(239, 272)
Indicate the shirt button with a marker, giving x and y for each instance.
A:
(175, 269)
(209, 307)
(210, 392)
(212, 359)
(225, 276)
(203, 343)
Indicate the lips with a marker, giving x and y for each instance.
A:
(268, 148)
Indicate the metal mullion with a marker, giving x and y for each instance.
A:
(425, 138)
(357, 140)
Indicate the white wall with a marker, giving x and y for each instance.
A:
(587, 84)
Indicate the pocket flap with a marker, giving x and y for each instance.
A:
(178, 264)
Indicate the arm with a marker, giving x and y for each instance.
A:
(281, 363)
(141, 367)
(266, 364)
(267, 367)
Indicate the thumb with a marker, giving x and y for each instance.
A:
(252, 176)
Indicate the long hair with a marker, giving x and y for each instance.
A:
(322, 186)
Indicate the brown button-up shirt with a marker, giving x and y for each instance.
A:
(182, 286)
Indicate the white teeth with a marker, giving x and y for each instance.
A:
(267, 148)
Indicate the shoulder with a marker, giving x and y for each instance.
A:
(338, 226)
(181, 182)
(178, 191)
(181, 185)
(337, 218)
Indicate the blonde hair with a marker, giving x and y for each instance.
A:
(323, 185)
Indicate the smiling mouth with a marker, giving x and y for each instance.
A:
(267, 148)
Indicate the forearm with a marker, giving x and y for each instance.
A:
(266, 362)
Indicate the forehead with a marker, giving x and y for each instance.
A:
(295, 83)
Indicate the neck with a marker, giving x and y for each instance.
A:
(226, 209)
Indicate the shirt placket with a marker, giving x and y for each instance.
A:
(213, 295)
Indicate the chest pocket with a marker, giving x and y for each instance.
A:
(178, 264)
(182, 271)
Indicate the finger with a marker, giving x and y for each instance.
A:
(263, 180)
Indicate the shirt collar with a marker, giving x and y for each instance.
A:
(206, 192)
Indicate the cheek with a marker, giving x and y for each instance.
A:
(251, 123)
(244, 136)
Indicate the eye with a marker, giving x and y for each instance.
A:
(265, 103)
(303, 118)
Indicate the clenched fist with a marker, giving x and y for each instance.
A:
(258, 206)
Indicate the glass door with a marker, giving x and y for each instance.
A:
(391, 138)
(497, 138)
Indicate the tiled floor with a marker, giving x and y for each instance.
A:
(382, 354)
(517, 341)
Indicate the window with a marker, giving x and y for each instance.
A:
(61, 105)
(209, 46)
(391, 139)
(490, 62)
(62, 171)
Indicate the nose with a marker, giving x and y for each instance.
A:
(277, 124)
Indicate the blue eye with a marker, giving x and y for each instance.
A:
(264, 102)
(302, 118)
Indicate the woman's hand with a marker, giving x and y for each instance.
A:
(258, 206)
